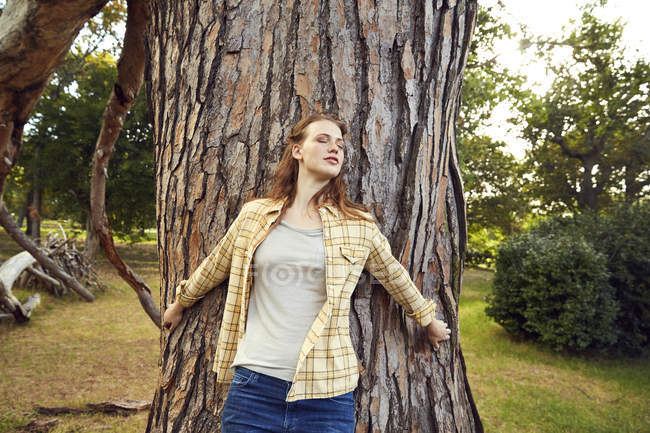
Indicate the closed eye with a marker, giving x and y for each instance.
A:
(324, 139)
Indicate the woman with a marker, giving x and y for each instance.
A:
(286, 332)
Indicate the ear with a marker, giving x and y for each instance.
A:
(296, 151)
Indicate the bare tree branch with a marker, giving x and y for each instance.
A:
(130, 73)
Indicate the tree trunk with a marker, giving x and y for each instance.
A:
(35, 216)
(226, 81)
(28, 204)
(92, 244)
(587, 198)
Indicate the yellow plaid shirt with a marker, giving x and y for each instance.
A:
(327, 364)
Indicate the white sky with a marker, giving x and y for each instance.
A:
(546, 18)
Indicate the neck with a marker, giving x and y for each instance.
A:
(306, 188)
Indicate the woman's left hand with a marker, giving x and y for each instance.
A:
(437, 331)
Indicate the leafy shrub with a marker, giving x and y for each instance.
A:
(554, 288)
(588, 275)
(624, 236)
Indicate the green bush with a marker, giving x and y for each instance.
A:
(624, 236)
(578, 282)
(554, 288)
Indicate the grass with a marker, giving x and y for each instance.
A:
(73, 352)
(520, 386)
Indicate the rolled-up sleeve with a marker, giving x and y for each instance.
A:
(396, 280)
(212, 271)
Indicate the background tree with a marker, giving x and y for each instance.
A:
(34, 37)
(494, 180)
(34, 40)
(59, 146)
(99, 35)
(495, 186)
(48, 38)
(225, 83)
(590, 130)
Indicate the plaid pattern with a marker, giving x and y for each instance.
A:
(327, 365)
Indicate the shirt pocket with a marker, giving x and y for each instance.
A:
(354, 258)
(354, 255)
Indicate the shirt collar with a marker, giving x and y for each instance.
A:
(332, 208)
(276, 206)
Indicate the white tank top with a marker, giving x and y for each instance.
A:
(287, 293)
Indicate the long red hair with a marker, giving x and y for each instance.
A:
(286, 176)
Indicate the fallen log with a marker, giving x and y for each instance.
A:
(9, 272)
(23, 270)
(26, 308)
(44, 277)
(12, 229)
(39, 426)
(115, 407)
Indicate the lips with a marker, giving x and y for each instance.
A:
(332, 159)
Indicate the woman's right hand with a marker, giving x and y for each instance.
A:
(173, 315)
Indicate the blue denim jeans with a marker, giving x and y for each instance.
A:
(256, 403)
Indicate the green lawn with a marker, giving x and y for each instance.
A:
(74, 352)
(519, 386)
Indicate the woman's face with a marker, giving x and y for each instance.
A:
(321, 153)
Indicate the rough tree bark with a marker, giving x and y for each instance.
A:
(226, 80)
(130, 72)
